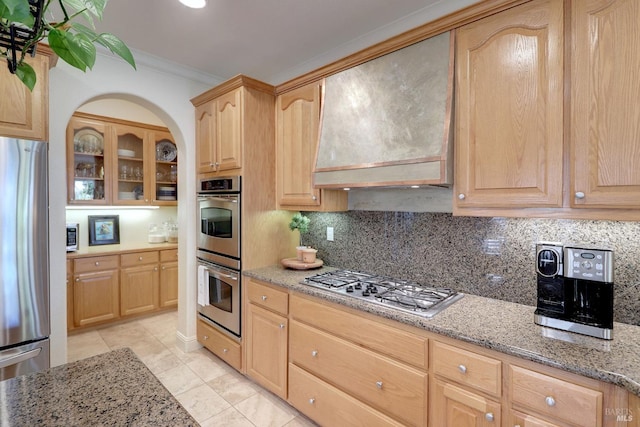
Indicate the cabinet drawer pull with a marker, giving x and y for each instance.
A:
(77, 279)
(579, 195)
(140, 258)
(97, 263)
(462, 369)
(205, 337)
(461, 196)
(550, 401)
(489, 417)
(312, 401)
(379, 384)
(164, 267)
(281, 325)
(264, 297)
(155, 268)
(314, 353)
(225, 350)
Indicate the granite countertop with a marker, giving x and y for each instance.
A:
(502, 326)
(113, 388)
(121, 248)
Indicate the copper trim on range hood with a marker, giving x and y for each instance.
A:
(388, 122)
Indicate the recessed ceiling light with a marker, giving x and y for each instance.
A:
(195, 4)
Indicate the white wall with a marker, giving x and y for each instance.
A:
(167, 96)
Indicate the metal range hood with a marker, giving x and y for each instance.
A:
(387, 122)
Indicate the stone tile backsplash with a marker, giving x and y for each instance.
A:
(491, 257)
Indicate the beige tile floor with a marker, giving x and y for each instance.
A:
(213, 393)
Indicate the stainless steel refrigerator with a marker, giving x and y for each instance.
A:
(24, 257)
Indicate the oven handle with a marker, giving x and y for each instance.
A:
(226, 199)
(219, 274)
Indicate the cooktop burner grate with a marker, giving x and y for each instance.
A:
(403, 295)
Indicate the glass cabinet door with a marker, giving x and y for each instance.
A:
(166, 169)
(89, 166)
(130, 166)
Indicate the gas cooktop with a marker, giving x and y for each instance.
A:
(404, 295)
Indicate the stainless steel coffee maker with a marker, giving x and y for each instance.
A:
(575, 289)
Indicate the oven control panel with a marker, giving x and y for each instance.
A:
(588, 264)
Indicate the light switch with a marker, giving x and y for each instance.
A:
(330, 234)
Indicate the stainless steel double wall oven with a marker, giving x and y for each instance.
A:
(219, 261)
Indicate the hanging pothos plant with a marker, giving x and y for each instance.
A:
(24, 23)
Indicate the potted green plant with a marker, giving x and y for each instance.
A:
(301, 223)
(24, 23)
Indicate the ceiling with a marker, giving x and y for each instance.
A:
(271, 40)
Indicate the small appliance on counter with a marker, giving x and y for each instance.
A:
(575, 289)
(73, 236)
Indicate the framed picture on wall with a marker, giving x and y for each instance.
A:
(104, 230)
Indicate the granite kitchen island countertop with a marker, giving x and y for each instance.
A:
(502, 326)
(113, 388)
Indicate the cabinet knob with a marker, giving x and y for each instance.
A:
(461, 196)
(97, 263)
(155, 269)
(77, 279)
(281, 325)
(489, 416)
(163, 267)
(205, 337)
(139, 258)
(379, 384)
(462, 369)
(314, 198)
(579, 195)
(264, 297)
(550, 401)
(225, 350)
(312, 401)
(314, 353)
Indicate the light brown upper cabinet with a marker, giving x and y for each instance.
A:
(228, 119)
(112, 161)
(509, 109)
(297, 122)
(516, 154)
(25, 113)
(605, 107)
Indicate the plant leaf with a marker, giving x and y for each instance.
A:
(16, 11)
(77, 50)
(117, 46)
(95, 7)
(27, 75)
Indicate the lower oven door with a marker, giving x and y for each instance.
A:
(219, 296)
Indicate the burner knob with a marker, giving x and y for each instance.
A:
(358, 286)
(365, 293)
(350, 289)
(373, 290)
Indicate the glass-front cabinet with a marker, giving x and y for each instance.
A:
(88, 169)
(116, 162)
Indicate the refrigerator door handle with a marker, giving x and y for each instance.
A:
(14, 359)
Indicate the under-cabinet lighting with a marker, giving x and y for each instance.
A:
(415, 186)
(95, 208)
(194, 4)
(346, 188)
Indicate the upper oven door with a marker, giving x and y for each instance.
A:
(219, 219)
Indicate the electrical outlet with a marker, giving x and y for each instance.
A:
(330, 234)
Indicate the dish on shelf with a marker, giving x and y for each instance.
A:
(126, 195)
(88, 141)
(167, 198)
(166, 151)
(126, 153)
(167, 188)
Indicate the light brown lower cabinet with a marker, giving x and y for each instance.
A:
(525, 420)
(169, 278)
(220, 344)
(454, 406)
(95, 290)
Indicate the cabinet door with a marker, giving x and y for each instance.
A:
(267, 349)
(298, 119)
(163, 173)
(89, 171)
(169, 284)
(70, 324)
(24, 113)
(228, 137)
(139, 289)
(509, 109)
(95, 297)
(605, 113)
(453, 406)
(131, 166)
(205, 137)
(526, 420)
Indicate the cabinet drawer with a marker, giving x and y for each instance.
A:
(386, 385)
(468, 368)
(102, 263)
(559, 399)
(220, 345)
(384, 339)
(329, 406)
(169, 255)
(139, 258)
(268, 297)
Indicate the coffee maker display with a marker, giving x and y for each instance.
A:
(575, 289)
